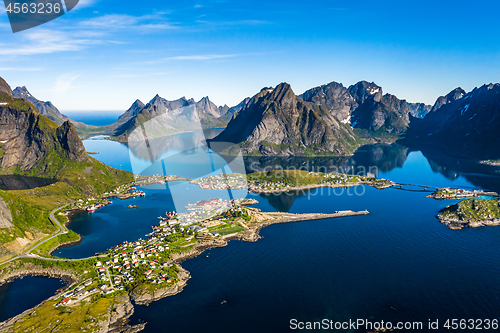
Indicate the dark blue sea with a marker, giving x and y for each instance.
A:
(396, 264)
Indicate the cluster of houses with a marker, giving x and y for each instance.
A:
(97, 205)
(91, 204)
(232, 181)
(79, 292)
(156, 179)
(258, 185)
(202, 211)
(452, 193)
(146, 260)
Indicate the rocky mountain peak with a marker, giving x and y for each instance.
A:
(455, 94)
(283, 95)
(4, 87)
(132, 111)
(364, 90)
(45, 108)
(22, 91)
(156, 100)
(464, 124)
(334, 97)
(70, 142)
(452, 96)
(137, 104)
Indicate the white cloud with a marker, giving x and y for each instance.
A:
(63, 82)
(122, 21)
(198, 6)
(47, 41)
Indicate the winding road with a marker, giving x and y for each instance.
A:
(62, 230)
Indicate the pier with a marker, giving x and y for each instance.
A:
(288, 217)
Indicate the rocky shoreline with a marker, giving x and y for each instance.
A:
(144, 297)
(33, 270)
(471, 213)
(457, 224)
(304, 188)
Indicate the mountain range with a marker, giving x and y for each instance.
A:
(176, 116)
(314, 119)
(277, 122)
(363, 105)
(462, 123)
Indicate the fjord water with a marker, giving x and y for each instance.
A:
(396, 264)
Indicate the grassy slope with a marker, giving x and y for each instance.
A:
(473, 210)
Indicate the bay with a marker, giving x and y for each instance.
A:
(24, 293)
(396, 264)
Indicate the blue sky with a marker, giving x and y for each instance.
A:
(104, 54)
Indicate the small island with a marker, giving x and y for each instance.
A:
(471, 213)
(132, 206)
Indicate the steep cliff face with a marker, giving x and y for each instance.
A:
(419, 110)
(33, 145)
(335, 98)
(28, 137)
(451, 97)
(378, 112)
(276, 122)
(363, 105)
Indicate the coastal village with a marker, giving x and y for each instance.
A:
(151, 265)
(286, 180)
(149, 261)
